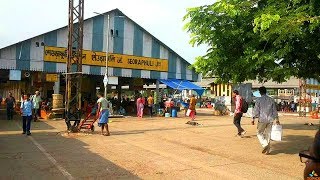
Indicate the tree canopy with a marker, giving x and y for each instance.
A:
(257, 39)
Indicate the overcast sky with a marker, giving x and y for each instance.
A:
(23, 19)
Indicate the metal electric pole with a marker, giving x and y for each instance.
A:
(74, 65)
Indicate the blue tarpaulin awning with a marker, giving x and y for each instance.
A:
(182, 85)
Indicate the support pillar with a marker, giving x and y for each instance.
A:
(159, 99)
(157, 90)
(119, 96)
(56, 87)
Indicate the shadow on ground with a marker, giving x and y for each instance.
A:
(187, 126)
(300, 126)
(291, 144)
(71, 153)
(5, 126)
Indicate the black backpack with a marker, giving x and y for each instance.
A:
(245, 106)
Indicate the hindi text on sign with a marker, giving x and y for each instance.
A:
(95, 58)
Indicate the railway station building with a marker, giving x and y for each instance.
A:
(135, 58)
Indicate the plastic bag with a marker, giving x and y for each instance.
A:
(188, 112)
(276, 132)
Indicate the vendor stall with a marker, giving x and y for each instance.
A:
(182, 85)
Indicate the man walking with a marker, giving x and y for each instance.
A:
(150, 104)
(36, 105)
(103, 114)
(265, 109)
(238, 113)
(10, 102)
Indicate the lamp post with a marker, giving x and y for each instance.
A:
(105, 79)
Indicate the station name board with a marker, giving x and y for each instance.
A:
(97, 58)
(312, 86)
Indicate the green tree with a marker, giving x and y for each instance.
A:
(250, 39)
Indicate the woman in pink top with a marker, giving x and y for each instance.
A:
(238, 113)
(140, 106)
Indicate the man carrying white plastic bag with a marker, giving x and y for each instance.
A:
(266, 112)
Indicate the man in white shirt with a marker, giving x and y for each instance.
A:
(265, 110)
(36, 99)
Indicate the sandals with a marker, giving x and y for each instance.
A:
(105, 134)
(309, 124)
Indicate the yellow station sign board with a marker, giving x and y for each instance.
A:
(52, 77)
(312, 86)
(96, 58)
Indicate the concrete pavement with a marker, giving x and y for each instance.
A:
(152, 148)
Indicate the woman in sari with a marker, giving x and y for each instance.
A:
(192, 107)
(140, 106)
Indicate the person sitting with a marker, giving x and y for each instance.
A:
(311, 158)
(46, 105)
(168, 105)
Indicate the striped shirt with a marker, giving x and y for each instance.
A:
(265, 109)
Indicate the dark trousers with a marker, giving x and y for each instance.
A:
(150, 110)
(236, 122)
(39, 112)
(9, 113)
(35, 113)
(26, 123)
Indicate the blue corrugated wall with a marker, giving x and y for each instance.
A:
(137, 47)
(183, 70)
(23, 55)
(97, 33)
(155, 53)
(118, 34)
(50, 39)
(97, 40)
(172, 66)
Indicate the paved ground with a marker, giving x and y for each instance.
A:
(157, 148)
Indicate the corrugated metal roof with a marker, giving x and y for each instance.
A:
(290, 83)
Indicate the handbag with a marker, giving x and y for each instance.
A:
(276, 132)
(188, 112)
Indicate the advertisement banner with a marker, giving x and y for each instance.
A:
(15, 75)
(96, 58)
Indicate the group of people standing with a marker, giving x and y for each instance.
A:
(29, 109)
(265, 111)
(141, 102)
(287, 107)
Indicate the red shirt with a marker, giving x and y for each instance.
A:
(238, 100)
